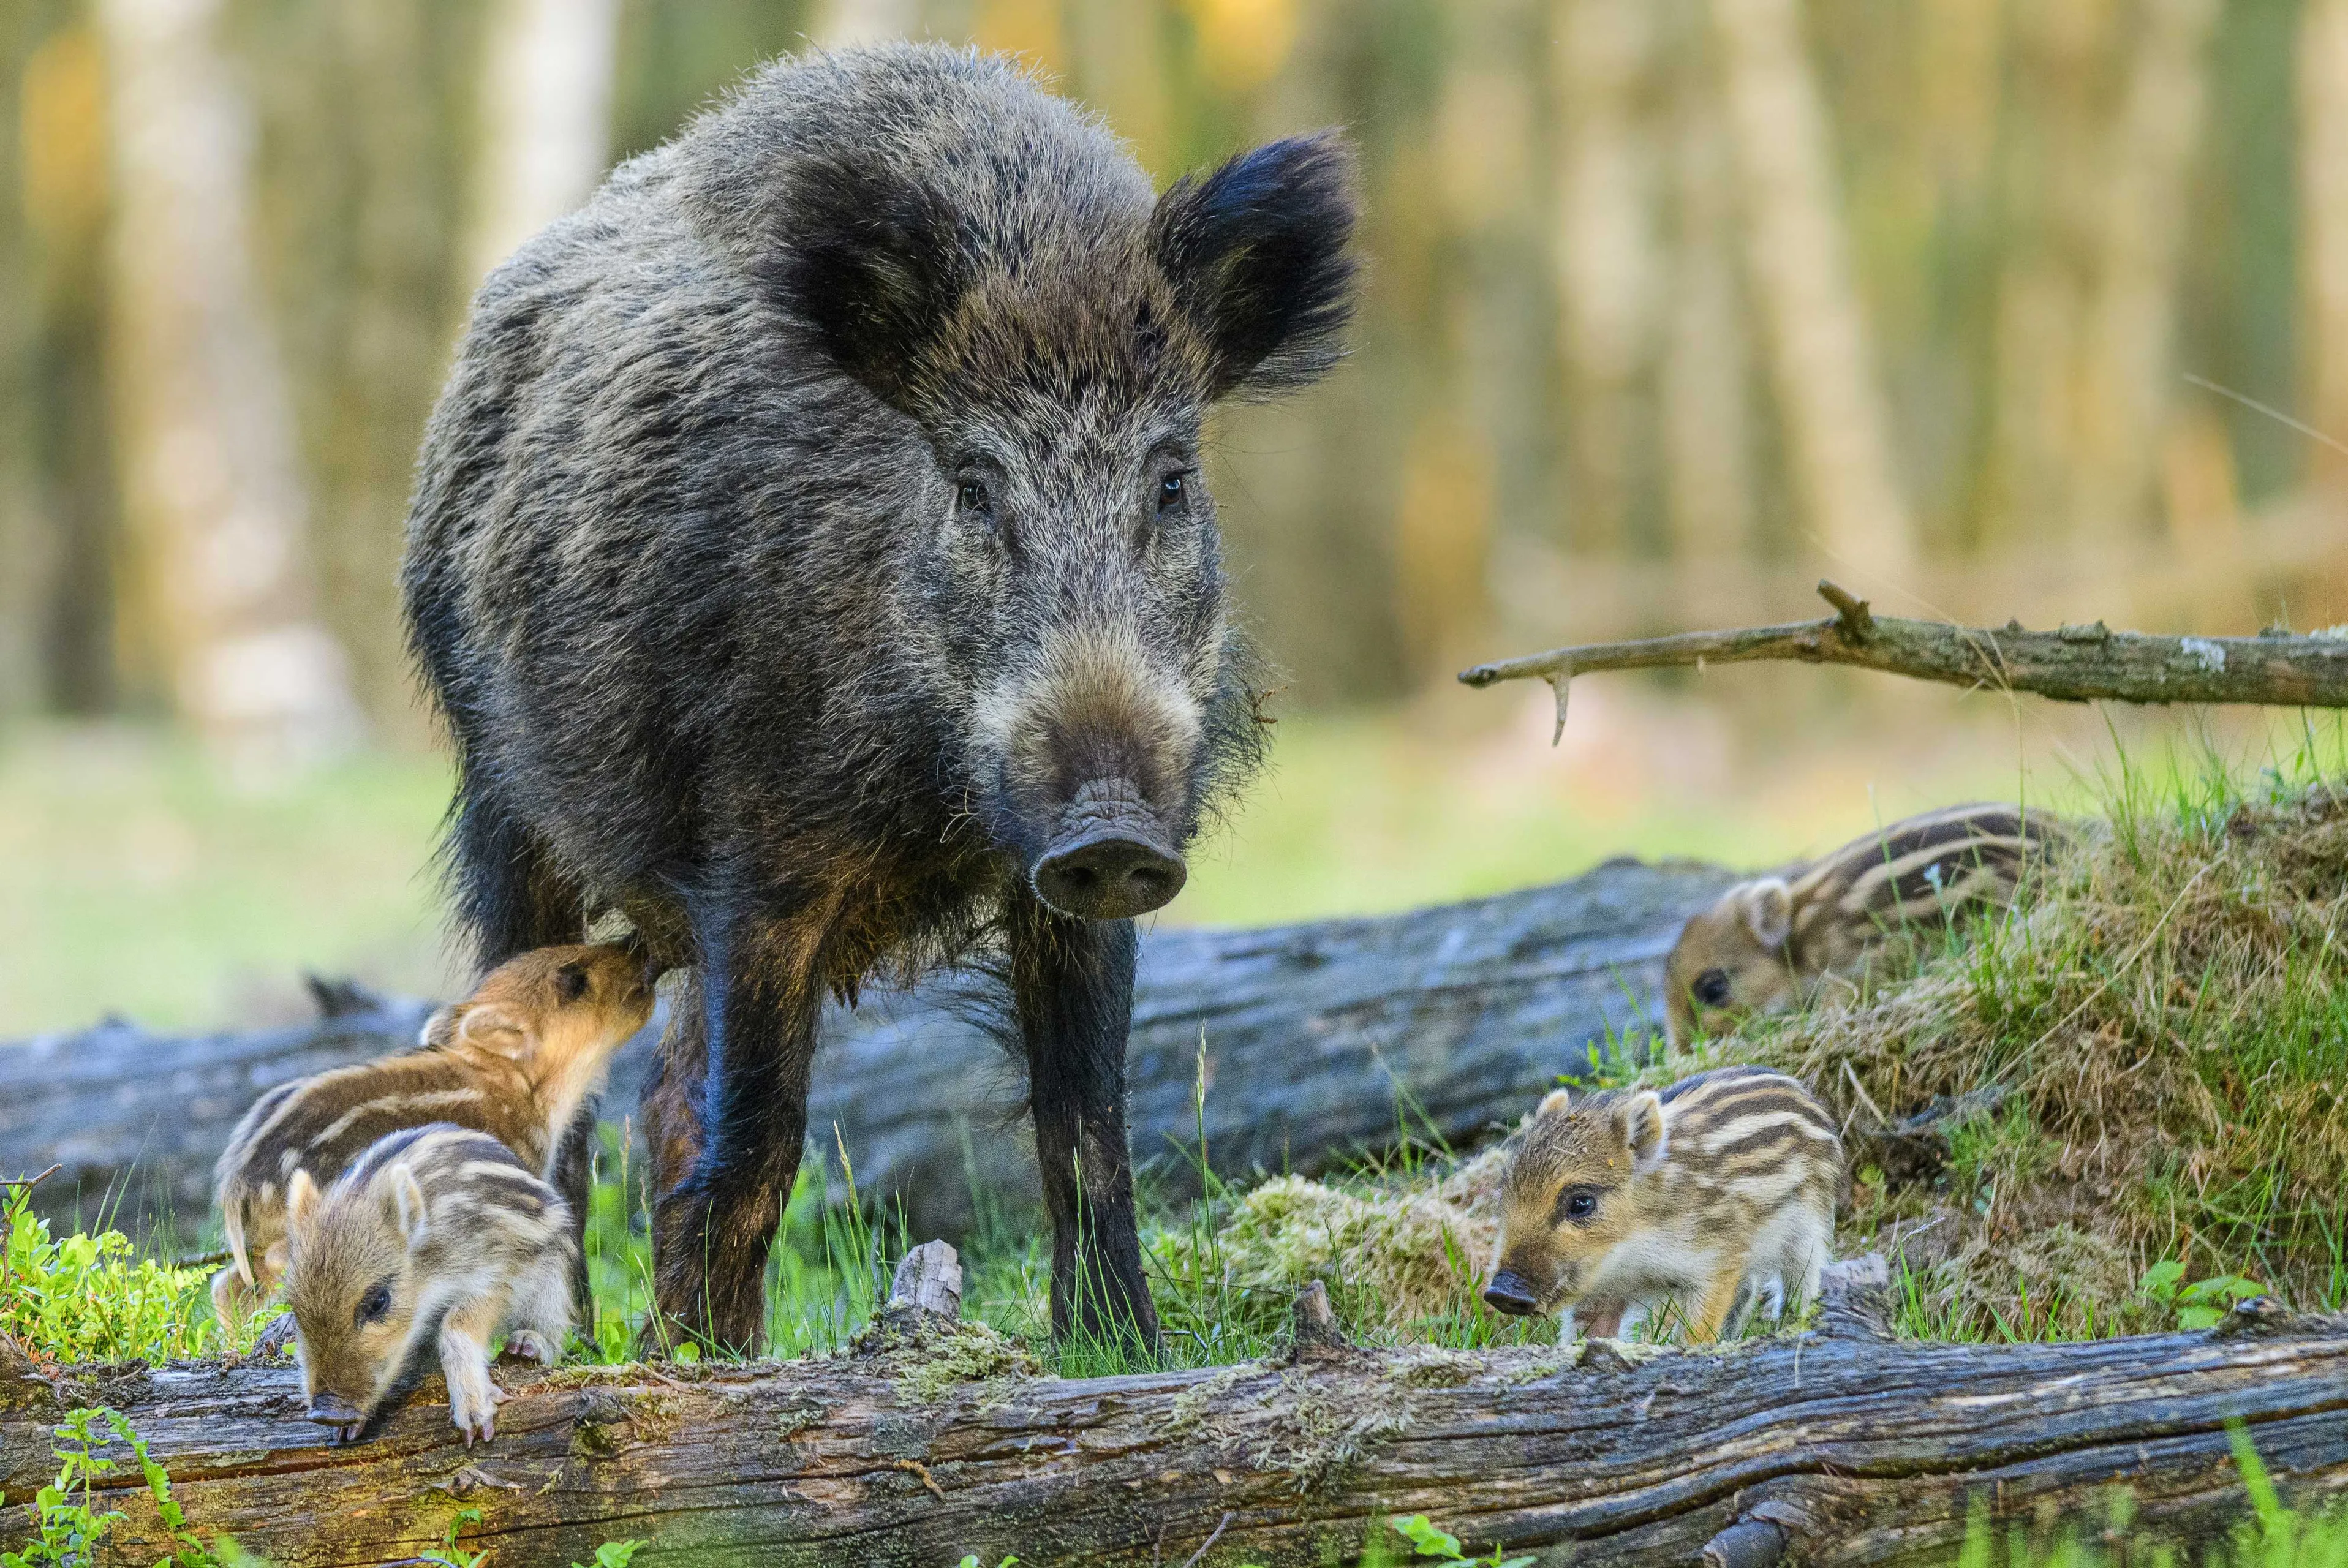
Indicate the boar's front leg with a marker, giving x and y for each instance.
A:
(1072, 990)
(742, 1120)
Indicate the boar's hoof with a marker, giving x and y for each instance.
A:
(1109, 875)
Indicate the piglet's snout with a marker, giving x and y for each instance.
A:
(1508, 1293)
(1111, 859)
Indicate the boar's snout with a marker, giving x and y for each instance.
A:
(1111, 859)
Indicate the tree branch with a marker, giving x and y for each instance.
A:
(2073, 664)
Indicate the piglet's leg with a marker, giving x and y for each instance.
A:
(541, 1316)
(473, 1399)
(1600, 1319)
(1719, 1300)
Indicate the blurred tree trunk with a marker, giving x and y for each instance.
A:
(364, 106)
(221, 597)
(2047, 200)
(2323, 225)
(1822, 362)
(1609, 259)
(2128, 370)
(1117, 56)
(1707, 423)
(545, 111)
(844, 24)
(25, 539)
(1308, 484)
(1475, 463)
(66, 586)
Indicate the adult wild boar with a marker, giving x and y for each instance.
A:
(810, 559)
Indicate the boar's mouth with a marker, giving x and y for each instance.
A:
(1110, 857)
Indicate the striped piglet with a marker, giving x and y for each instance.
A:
(1776, 943)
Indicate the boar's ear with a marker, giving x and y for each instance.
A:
(1257, 255)
(1640, 1121)
(873, 263)
(1769, 906)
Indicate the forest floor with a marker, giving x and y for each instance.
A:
(2146, 1056)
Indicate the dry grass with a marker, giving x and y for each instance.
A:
(2166, 1018)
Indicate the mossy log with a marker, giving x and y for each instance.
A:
(1855, 1450)
(2073, 664)
(1306, 1031)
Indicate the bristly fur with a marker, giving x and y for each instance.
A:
(1774, 942)
(1712, 1197)
(811, 540)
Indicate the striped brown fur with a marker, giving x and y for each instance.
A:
(436, 1240)
(1778, 942)
(1702, 1201)
(515, 1061)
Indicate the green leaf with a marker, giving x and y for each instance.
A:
(2161, 1280)
(1427, 1540)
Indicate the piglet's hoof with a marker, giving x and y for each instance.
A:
(524, 1344)
(473, 1406)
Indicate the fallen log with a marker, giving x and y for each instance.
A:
(1306, 1031)
(1816, 1449)
(2073, 664)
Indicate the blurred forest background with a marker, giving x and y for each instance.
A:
(1672, 307)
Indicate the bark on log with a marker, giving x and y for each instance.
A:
(2074, 664)
(1306, 1031)
(1859, 1451)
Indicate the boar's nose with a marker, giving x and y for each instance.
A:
(1111, 859)
(1108, 875)
(1508, 1293)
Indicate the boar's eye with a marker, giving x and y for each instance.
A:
(375, 1304)
(1577, 1204)
(1173, 491)
(973, 496)
(571, 982)
(1711, 988)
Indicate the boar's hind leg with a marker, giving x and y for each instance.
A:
(754, 1030)
(1072, 990)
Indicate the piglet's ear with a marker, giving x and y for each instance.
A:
(490, 1028)
(441, 1029)
(1640, 1121)
(872, 264)
(301, 1204)
(1257, 255)
(1768, 907)
(1555, 1099)
(407, 1204)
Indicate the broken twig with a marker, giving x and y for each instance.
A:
(2072, 664)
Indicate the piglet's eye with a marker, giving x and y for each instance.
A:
(1579, 1206)
(571, 982)
(373, 1305)
(1711, 988)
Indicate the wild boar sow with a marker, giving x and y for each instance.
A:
(810, 558)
